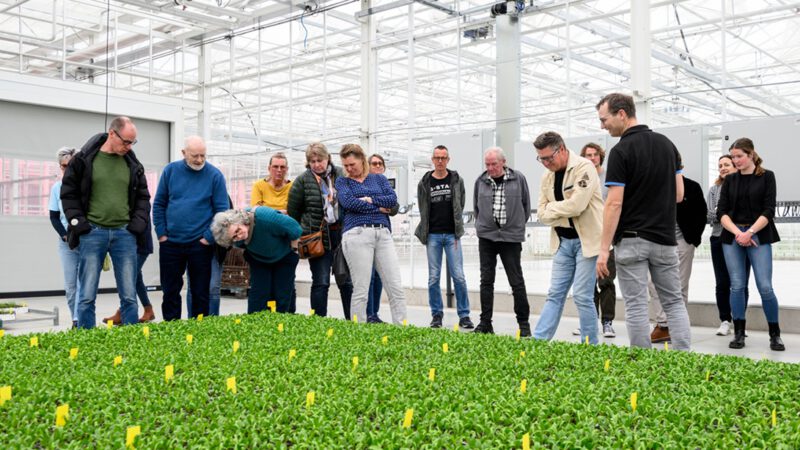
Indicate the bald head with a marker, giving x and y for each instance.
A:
(194, 152)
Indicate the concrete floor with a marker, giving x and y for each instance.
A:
(704, 339)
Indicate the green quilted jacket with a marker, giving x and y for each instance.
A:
(305, 203)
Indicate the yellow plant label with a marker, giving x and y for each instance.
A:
(310, 399)
(237, 321)
(2, 333)
(130, 436)
(235, 346)
(5, 394)
(199, 317)
(523, 385)
(445, 348)
(62, 414)
(519, 334)
(666, 346)
(634, 397)
(117, 360)
(189, 339)
(405, 322)
(146, 332)
(169, 373)
(109, 324)
(312, 312)
(292, 354)
(355, 318)
(587, 340)
(522, 354)
(330, 332)
(230, 384)
(774, 417)
(455, 327)
(272, 305)
(526, 441)
(385, 340)
(73, 353)
(35, 341)
(607, 365)
(708, 375)
(355, 362)
(408, 418)
(432, 374)
(280, 328)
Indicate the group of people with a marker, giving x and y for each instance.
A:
(640, 219)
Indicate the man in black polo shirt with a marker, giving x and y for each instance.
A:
(644, 185)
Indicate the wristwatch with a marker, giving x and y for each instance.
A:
(751, 231)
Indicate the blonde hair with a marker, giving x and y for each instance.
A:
(357, 152)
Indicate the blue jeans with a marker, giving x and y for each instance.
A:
(760, 258)
(723, 280)
(455, 263)
(374, 295)
(271, 281)
(175, 259)
(215, 283)
(321, 278)
(570, 269)
(70, 260)
(141, 289)
(121, 244)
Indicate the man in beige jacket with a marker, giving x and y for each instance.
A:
(570, 202)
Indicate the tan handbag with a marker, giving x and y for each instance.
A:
(311, 245)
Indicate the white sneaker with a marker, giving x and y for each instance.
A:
(724, 328)
(576, 332)
(608, 330)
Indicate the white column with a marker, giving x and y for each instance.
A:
(507, 90)
(369, 90)
(640, 58)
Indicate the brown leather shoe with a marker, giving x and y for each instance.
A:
(116, 319)
(148, 315)
(659, 334)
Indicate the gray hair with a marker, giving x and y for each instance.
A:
(501, 155)
(223, 220)
(65, 152)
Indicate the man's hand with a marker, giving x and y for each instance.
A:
(602, 264)
(204, 241)
(162, 238)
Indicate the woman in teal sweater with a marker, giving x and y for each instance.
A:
(266, 235)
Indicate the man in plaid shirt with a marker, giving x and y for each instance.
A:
(502, 205)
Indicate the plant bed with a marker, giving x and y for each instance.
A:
(13, 308)
(473, 399)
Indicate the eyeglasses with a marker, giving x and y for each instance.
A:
(440, 158)
(64, 166)
(376, 164)
(125, 141)
(548, 159)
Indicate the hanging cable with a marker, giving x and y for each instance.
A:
(108, 44)
(305, 36)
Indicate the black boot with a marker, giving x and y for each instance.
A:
(775, 342)
(738, 334)
(524, 329)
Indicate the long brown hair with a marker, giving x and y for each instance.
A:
(719, 179)
(746, 145)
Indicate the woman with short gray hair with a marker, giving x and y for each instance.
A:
(266, 236)
(69, 258)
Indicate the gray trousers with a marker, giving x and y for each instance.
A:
(685, 260)
(635, 258)
(362, 247)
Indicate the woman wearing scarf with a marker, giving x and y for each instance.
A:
(313, 203)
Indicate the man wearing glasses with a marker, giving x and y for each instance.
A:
(440, 194)
(107, 204)
(502, 205)
(571, 204)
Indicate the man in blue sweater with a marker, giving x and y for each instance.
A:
(189, 193)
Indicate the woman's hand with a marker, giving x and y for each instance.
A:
(385, 210)
(745, 239)
(366, 199)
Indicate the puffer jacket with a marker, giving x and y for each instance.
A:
(306, 204)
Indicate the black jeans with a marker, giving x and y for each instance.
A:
(174, 259)
(510, 254)
(723, 280)
(321, 279)
(271, 281)
(605, 296)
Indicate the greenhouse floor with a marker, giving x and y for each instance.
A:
(704, 339)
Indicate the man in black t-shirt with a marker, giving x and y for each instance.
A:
(644, 185)
(440, 194)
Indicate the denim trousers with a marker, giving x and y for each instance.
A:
(635, 258)
(271, 281)
(121, 245)
(321, 278)
(70, 260)
(570, 269)
(175, 259)
(365, 248)
(760, 258)
(723, 280)
(685, 260)
(451, 246)
(141, 289)
(214, 286)
(374, 295)
(510, 254)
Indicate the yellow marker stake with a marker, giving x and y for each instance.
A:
(109, 324)
(355, 318)
(405, 322)
(408, 417)
(329, 332)
(189, 339)
(237, 321)
(523, 385)
(355, 362)
(62, 414)
(311, 313)
(666, 346)
(445, 348)
(271, 305)
(230, 384)
(117, 360)
(607, 365)
(587, 340)
(146, 332)
(385, 340)
(634, 396)
(169, 373)
(526, 441)
(310, 399)
(432, 374)
(130, 436)
(280, 328)
(519, 334)
(5, 394)
(522, 354)
(708, 375)
(73, 353)
(2, 333)
(455, 327)
(235, 346)
(199, 317)
(292, 354)
(35, 341)
(774, 417)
